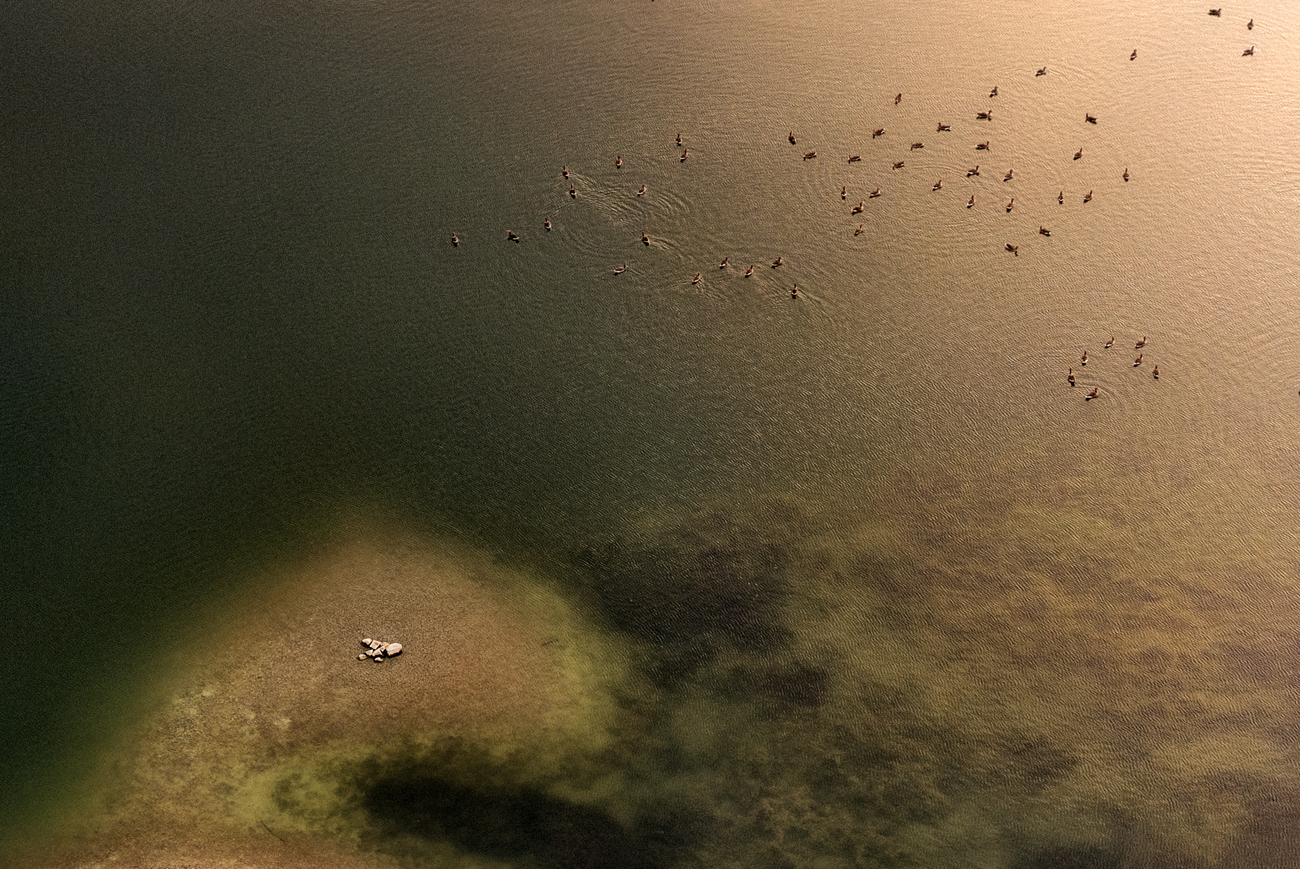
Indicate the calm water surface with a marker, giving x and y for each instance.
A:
(890, 590)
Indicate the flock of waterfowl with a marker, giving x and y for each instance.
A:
(860, 207)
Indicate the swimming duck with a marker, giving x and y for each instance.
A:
(794, 291)
(641, 191)
(916, 145)
(898, 99)
(679, 138)
(1125, 173)
(791, 138)
(1134, 55)
(855, 158)
(573, 192)
(1083, 360)
(808, 155)
(1070, 376)
(983, 116)
(547, 223)
(1060, 198)
(878, 132)
(858, 231)
(696, 279)
(994, 92)
(1042, 230)
(1137, 361)
(975, 171)
(1111, 342)
(971, 201)
(1013, 248)
(618, 161)
(724, 263)
(1250, 25)
(982, 146)
(564, 170)
(455, 240)
(1078, 154)
(944, 128)
(898, 165)
(1011, 204)
(510, 234)
(1010, 174)
(1217, 13)
(874, 193)
(1248, 52)
(686, 152)
(749, 271)
(1092, 119)
(619, 270)
(776, 262)
(645, 239)
(1156, 373)
(844, 192)
(938, 185)
(857, 209)
(1091, 395)
(1140, 344)
(1042, 71)
(1088, 196)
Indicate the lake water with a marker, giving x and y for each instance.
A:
(689, 574)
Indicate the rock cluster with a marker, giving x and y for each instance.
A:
(377, 651)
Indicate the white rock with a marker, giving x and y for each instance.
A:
(361, 657)
(375, 644)
(393, 649)
(366, 642)
(379, 659)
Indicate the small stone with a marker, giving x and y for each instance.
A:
(379, 659)
(375, 644)
(361, 657)
(366, 642)
(393, 649)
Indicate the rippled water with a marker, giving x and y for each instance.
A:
(853, 578)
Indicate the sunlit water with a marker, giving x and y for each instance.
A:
(849, 579)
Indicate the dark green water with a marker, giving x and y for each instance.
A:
(960, 615)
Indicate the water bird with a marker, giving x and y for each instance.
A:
(1083, 360)
(1092, 119)
(1088, 196)
(1070, 376)
(641, 191)
(618, 161)
(510, 234)
(844, 192)
(874, 193)
(564, 170)
(686, 152)
(808, 155)
(1248, 52)
(1013, 248)
(1156, 373)
(455, 240)
(1250, 25)
(944, 128)
(858, 231)
(1111, 342)
(1137, 361)
(547, 223)
(1009, 175)
(971, 201)
(898, 165)
(696, 279)
(916, 145)
(620, 269)
(1134, 55)
(1042, 230)
(1091, 395)
(938, 185)
(855, 158)
(573, 192)
(791, 138)
(993, 92)
(1217, 13)
(1125, 173)
(776, 262)
(749, 271)
(898, 99)
(984, 116)
(794, 291)
(645, 239)
(1060, 198)
(679, 138)
(982, 146)
(1078, 154)
(724, 263)
(1011, 204)
(857, 209)
(878, 132)
(975, 171)
(1141, 343)
(1042, 71)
